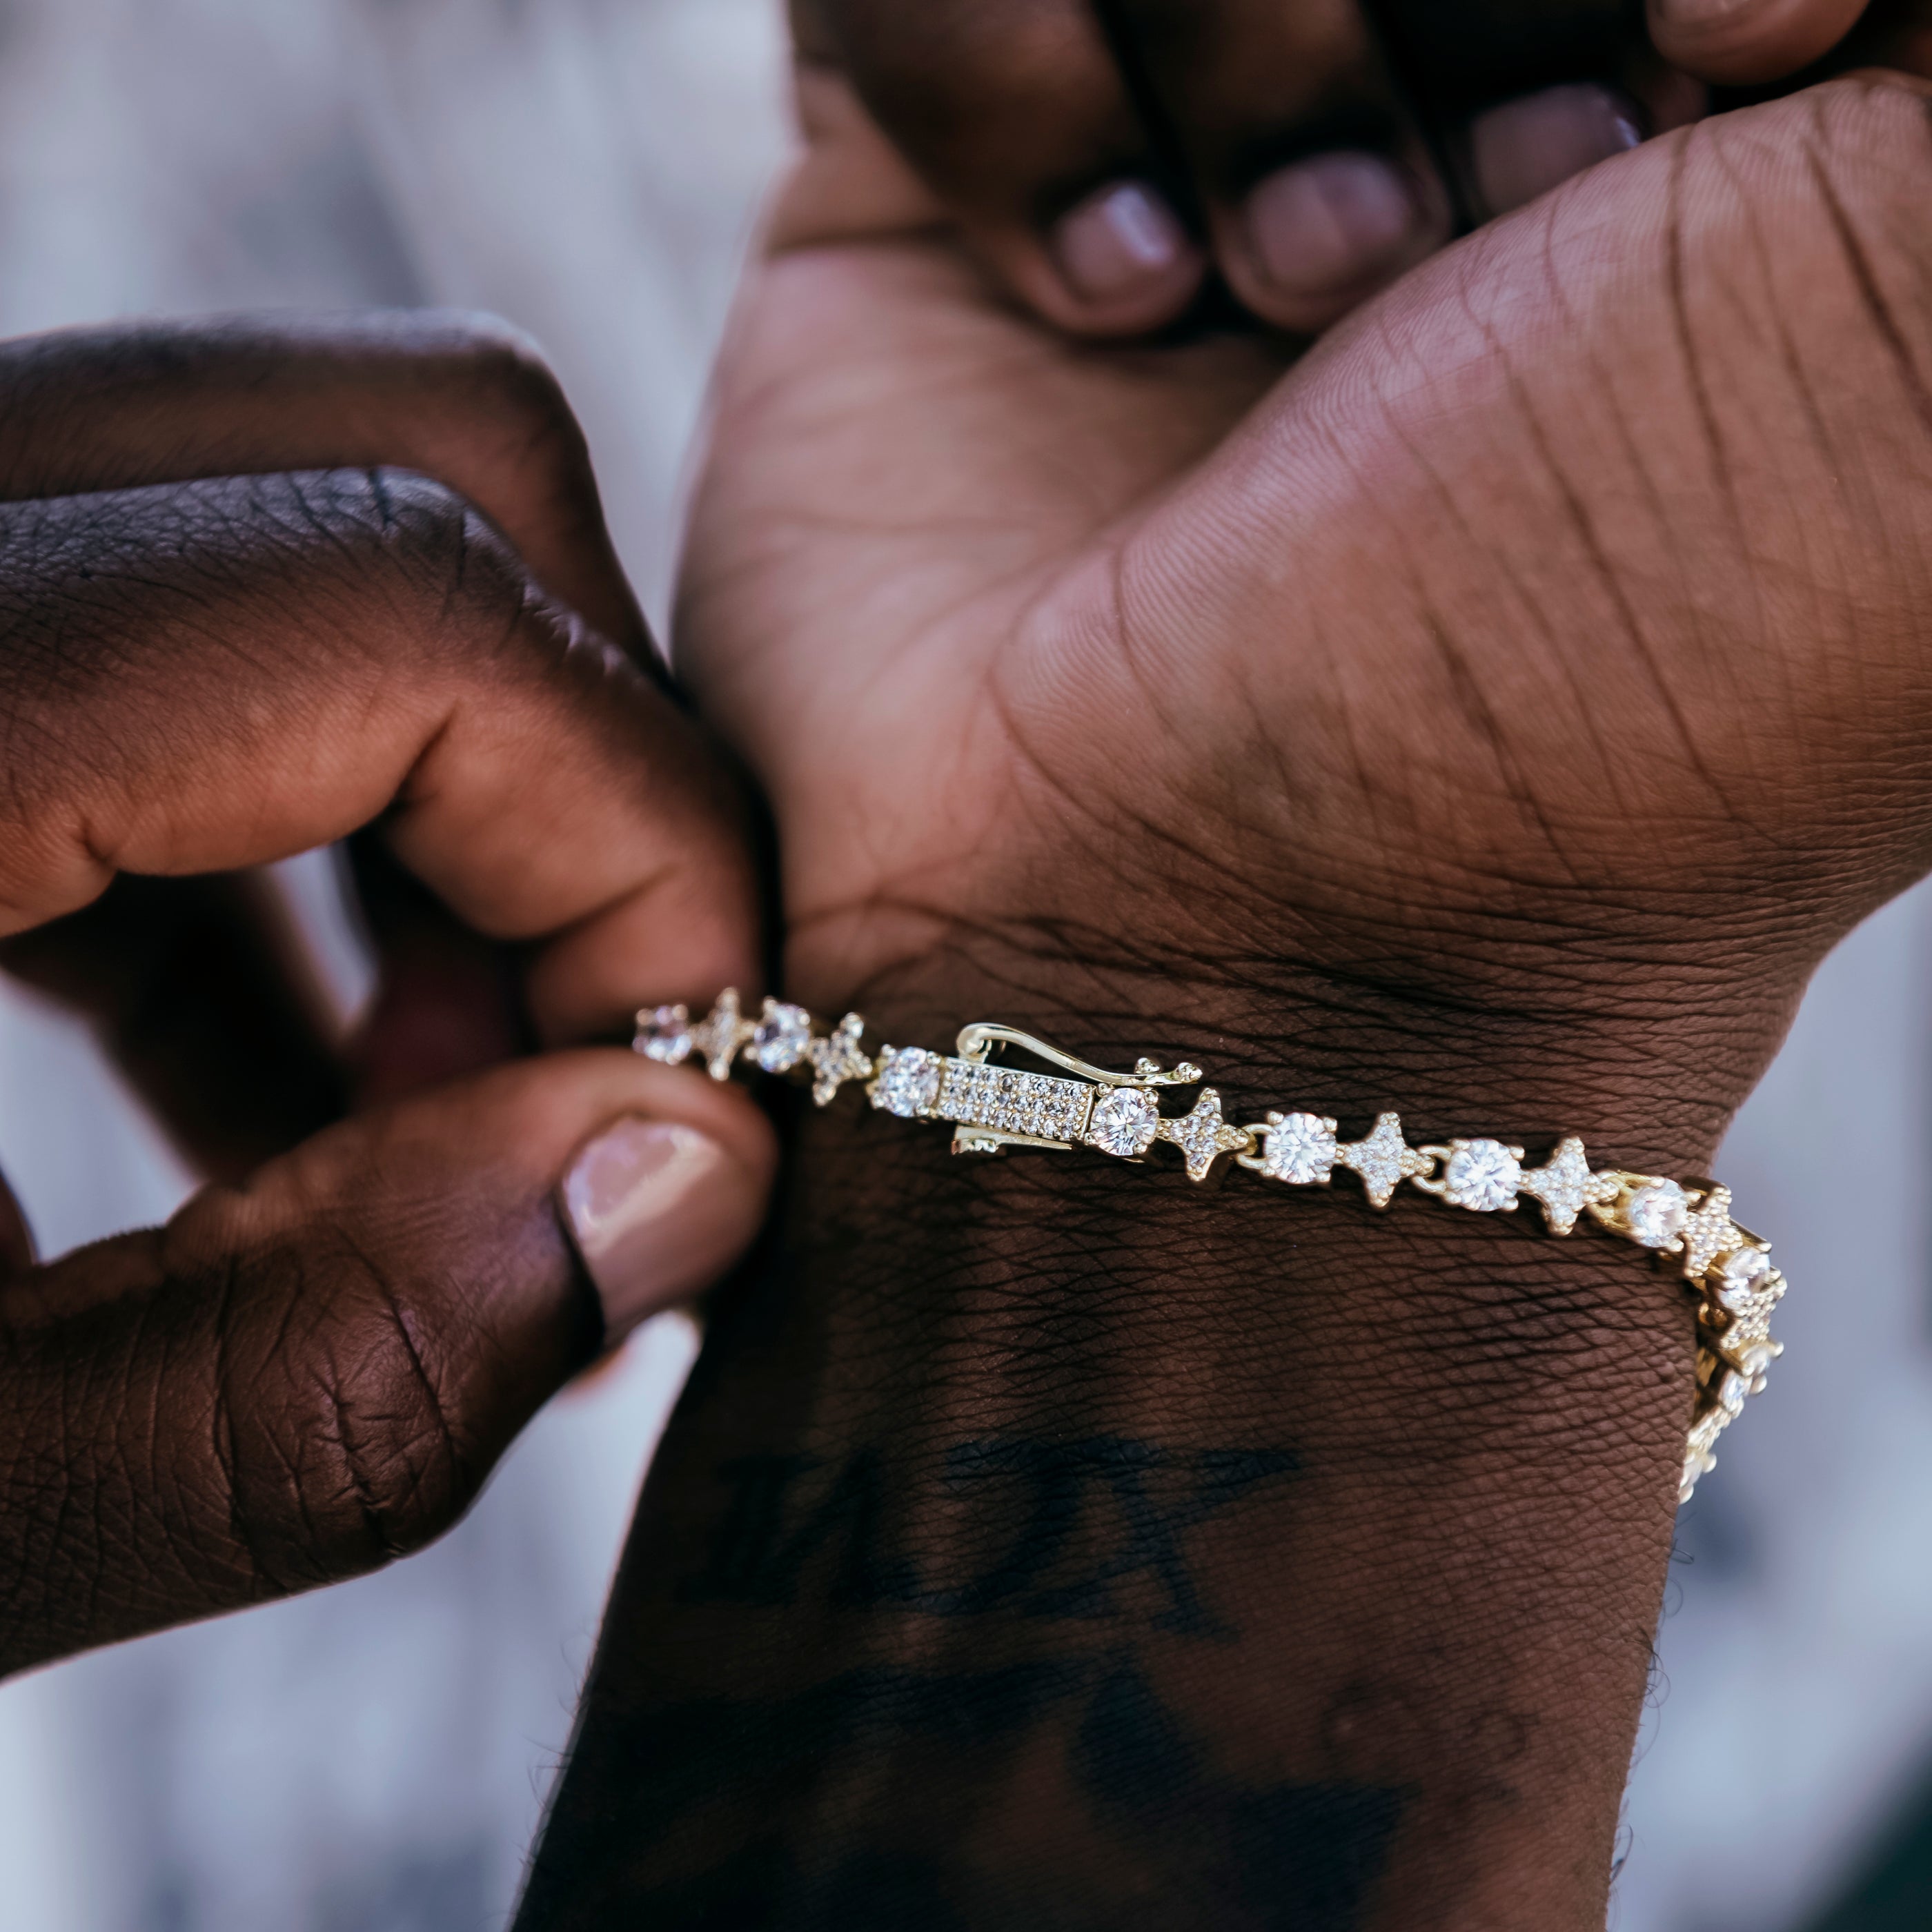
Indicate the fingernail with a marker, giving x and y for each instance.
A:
(658, 1211)
(1119, 241)
(1741, 43)
(1525, 148)
(1326, 223)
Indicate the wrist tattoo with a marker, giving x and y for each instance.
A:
(1102, 1530)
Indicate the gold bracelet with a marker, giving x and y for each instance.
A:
(991, 1107)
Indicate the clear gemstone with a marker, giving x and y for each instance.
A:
(783, 1037)
(1382, 1160)
(665, 1036)
(1203, 1136)
(837, 1058)
(1732, 1392)
(1481, 1174)
(1656, 1214)
(908, 1082)
(721, 1035)
(1124, 1123)
(1301, 1150)
(1010, 1101)
(1740, 1277)
(1564, 1185)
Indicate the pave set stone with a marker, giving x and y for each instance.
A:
(781, 1040)
(837, 1058)
(993, 1106)
(1563, 1186)
(718, 1039)
(1385, 1160)
(1008, 1101)
(1202, 1136)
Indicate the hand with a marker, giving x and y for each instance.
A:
(233, 626)
(1101, 157)
(1127, 653)
(1494, 718)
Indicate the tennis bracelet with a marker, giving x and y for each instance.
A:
(991, 1107)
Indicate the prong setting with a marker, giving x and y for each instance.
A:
(993, 1107)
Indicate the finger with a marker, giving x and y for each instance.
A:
(1524, 148)
(1317, 157)
(216, 675)
(463, 399)
(1015, 114)
(200, 992)
(1520, 95)
(298, 1380)
(186, 986)
(1318, 186)
(1742, 42)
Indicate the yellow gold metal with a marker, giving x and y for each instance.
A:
(976, 1042)
(1385, 1160)
(993, 1106)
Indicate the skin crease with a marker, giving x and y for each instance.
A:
(1158, 643)
(1496, 716)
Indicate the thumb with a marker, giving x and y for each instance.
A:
(298, 1379)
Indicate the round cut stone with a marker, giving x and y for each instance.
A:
(1125, 1123)
(908, 1083)
(1481, 1174)
(1732, 1392)
(666, 1036)
(1656, 1214)
(783, 1037)
(1301, 1150)
(1740, 1276)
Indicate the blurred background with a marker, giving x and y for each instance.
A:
(375, 1759)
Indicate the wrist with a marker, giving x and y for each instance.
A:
(1648, 1075)
(1354, 1521)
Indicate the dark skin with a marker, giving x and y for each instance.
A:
(1020, 114)
(309, 1372)
(262, 586)
(1496, 718)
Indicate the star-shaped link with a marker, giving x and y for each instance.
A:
(1385, 1160)
(1564, 1185)
(1709, 1232)
(837, 1059)
(1745, 1339)
(1203, 1136)
(721, 1033)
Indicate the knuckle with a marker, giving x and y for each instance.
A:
(502, 370)
(342, 1444)
(463, 589)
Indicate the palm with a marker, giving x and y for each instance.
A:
(902, 470)
(1517, 642)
